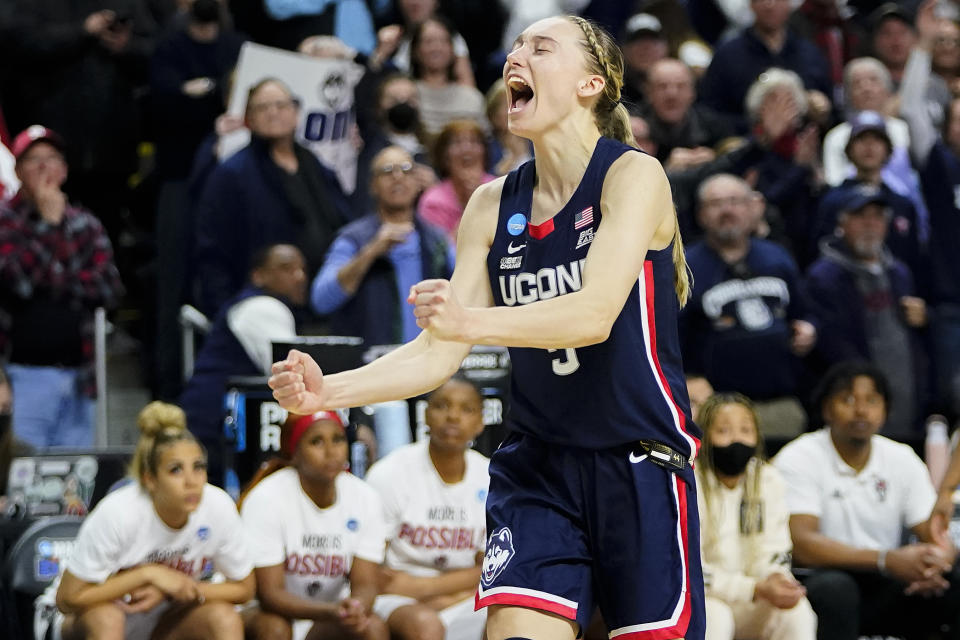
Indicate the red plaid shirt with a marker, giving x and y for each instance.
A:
(72, 261)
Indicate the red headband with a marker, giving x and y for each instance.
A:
(301, 424)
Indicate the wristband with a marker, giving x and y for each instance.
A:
(882, 561)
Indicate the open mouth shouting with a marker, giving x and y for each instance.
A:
(520, 92)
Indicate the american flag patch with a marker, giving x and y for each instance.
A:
(583, 219)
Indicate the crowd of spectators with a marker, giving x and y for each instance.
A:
(813, 147)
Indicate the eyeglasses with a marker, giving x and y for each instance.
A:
(405, 168)
(279, 105)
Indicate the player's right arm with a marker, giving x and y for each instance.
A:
(422, 364)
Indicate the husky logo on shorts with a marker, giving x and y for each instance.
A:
(499, 551)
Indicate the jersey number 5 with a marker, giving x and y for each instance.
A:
(566, 364)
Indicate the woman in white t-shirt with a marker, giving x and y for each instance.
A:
(433, 495)
(316, 535)
(144, 556)
(745, 536)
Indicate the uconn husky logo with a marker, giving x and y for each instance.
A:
(499, 552)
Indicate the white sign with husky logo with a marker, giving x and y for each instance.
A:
(324, 88)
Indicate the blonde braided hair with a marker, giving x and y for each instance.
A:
(613, 120)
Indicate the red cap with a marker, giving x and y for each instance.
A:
(32, 135)
(301, 424)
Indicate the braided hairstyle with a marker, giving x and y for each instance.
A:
(604, 58)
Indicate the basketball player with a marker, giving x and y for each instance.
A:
(145, 555)
(573, 261)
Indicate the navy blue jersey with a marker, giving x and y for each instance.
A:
(630, 386)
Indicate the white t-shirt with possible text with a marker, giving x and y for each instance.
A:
(316, 546)
(124, 531)
(432, 526)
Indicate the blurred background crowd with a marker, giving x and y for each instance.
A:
(813, 147)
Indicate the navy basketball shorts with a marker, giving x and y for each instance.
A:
(570, 528)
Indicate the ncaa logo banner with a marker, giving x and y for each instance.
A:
(324, 88)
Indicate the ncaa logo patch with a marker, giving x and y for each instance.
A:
(353, 524)
(516, 224)
(203, 533)
(499, 552)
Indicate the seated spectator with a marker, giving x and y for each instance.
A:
(188, 73)
(865, 305)
(869, 149)
(240, 340)
(868, 87)
(788, 176)
(435, 490)
(745, 540)
(374, 261)
(319, 537)
(738, 62)
(144, 558)
(506, 150)
(852, 494)
(644, 44)
(394, 42)
(56, 267)
(396, 123)
(743, 328)
(937, 158)
(10, 446)
(271, 191)
(460, 158)
(677, 123)
(433, 64)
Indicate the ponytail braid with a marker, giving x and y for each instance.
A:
(604, 58)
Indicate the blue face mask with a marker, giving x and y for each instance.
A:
(732, 459)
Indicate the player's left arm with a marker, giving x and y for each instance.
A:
(637, 209)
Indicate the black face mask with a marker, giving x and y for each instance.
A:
(403, 116)
(5, 420)
(732, 459)
(205, 11)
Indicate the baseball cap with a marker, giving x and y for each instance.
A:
(857, 197)
(869, 121)
(642, 24)
(32, 135)
(889, 10)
